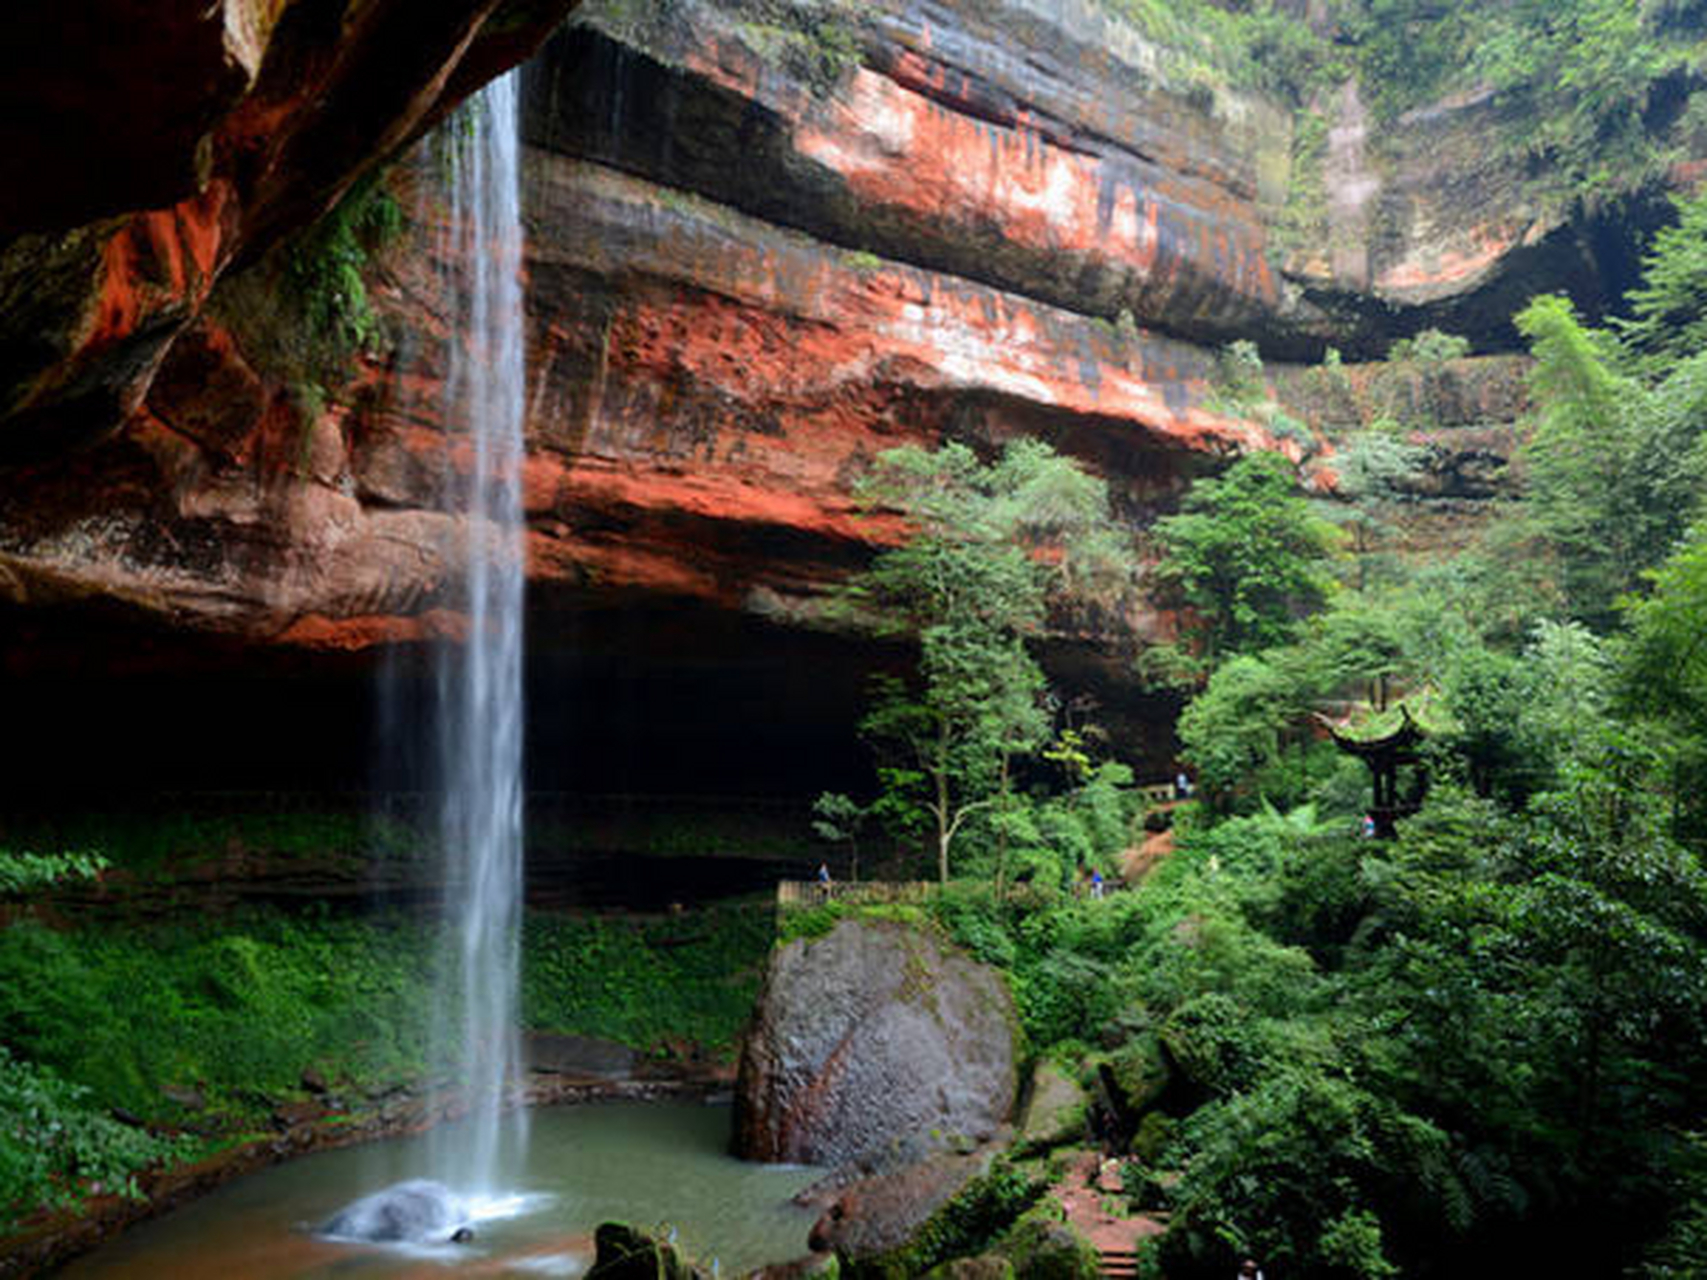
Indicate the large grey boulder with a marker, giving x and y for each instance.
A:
(871, 1045)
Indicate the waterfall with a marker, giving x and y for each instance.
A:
(480, 681)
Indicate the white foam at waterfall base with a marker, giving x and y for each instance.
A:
(425, 1219)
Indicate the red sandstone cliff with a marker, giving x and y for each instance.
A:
(151, 147)
(752, 266)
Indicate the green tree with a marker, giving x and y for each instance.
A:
(989, 544)
(22, 873)
(1663, 676)
(839, 819)
(1377, 470)
(1666, 660)
(1238, 727)
(1613, 470)
(1245, 556)
(1358, 644)
(1668, 321)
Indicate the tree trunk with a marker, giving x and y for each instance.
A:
(944, 830)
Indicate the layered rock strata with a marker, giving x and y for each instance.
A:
(766, 242)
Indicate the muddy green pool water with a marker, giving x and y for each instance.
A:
(644, 1163)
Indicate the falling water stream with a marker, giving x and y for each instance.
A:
(477, 728)
(480, 681)
(487, 1203)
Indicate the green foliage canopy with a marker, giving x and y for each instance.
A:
(1613, 470)
(1246, 556)
(989, 543)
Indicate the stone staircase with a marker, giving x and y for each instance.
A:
(1119, 1264)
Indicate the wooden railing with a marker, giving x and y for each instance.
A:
(800, 894)
(814, 893)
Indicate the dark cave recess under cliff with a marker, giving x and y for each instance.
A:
(635, 703)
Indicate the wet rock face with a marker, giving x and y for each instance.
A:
(757, 257)
(151, 146)
(1031, 151)
(874, 1042)
(1054, 152)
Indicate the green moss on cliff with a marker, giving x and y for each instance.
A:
(647, 983)
(327, 268)
(210, 1021)
(1303, 221)
(1594, 94)
(1205, 46)
(818, 49)
(231, 1009)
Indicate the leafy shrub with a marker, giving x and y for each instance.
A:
(977, 923)
(24, 872)
(1065, 996)
(1430, 347)
(56, 1146)
(328, 265)
(1298, 1138)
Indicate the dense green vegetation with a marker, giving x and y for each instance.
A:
(1589, 88)
(992, 545)
(1439, 1054)
(1492, 1026)
(1245, 556)
(649, 983)
(209, 1023)
(24, 872)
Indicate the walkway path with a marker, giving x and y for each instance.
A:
(1091, 1193)
(1140, 860)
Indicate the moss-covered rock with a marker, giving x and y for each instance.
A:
(623, 1253)
(1044, 1246)
(986, 1266)
(1137, 1075)
(1155, 1131)
(1056, 1112)
(959, 1226)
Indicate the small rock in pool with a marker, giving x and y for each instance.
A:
(410, 1212)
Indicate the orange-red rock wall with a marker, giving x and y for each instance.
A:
(743, 284)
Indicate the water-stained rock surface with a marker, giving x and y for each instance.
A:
(874, 1043)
